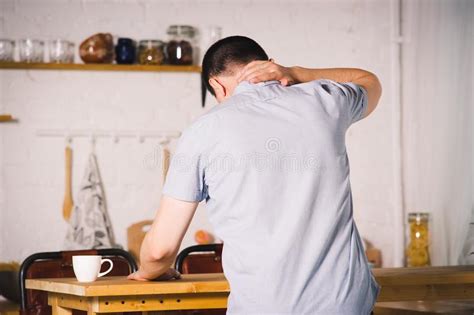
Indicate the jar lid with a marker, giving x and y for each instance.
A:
(185, 30)
(418, 216)
(151, 43)
(125, 40)
(30, 41)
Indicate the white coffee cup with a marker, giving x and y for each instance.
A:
(87, 267)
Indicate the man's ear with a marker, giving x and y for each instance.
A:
(219, 89)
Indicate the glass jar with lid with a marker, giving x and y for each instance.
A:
(181, 46)
(417, 252)
(125, 51)
(150, 52)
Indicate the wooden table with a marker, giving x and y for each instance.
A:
(426, 284)
(208, 291)
(117, 294)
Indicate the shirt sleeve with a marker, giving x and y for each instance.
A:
(351, 97)
(185, 179)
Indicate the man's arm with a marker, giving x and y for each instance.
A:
(161, 243)
(258, 71)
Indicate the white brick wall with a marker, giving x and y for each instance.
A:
(308, 33)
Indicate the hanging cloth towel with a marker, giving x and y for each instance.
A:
(90, 224)
(467, 253)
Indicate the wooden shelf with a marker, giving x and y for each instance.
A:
(97, 67)
(6, 118)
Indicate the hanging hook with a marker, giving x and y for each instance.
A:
(115, 138)
(164, 141)
(93, 142)
(68, 140)
(140, 138)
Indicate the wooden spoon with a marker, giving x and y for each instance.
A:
(68, 202)
(166, 156)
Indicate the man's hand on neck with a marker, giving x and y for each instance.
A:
(262, 70)
(258, 71)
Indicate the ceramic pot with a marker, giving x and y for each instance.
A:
(98, 48)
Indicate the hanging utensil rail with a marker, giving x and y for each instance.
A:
(164, 136)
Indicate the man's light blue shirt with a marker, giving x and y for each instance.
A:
(271, 164)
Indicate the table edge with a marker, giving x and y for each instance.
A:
(77, 289)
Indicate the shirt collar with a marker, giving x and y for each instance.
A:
(245, 86)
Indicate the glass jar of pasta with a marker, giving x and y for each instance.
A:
(417, 252)
(150, 52)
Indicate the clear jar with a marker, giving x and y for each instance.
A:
(7, 47)
(181, 47)
(150, 52)
(31, 50)
(417, 251)
(61, 51)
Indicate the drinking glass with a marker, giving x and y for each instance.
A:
(215, 34)
(211, 35)
(7, 47)
(31, 50)
(71, 52)
(61, 51)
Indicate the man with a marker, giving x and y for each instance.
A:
(271, 163)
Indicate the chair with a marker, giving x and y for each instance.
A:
(201, 259)
(59, 265)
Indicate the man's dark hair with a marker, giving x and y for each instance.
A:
(228, 52)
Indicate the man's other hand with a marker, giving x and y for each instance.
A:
(168, 275)
(259, 71)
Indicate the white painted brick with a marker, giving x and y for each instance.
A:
(307, 33)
